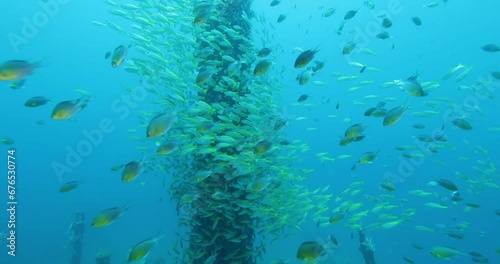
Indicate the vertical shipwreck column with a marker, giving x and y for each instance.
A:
(222, 232)
(76, 237)
(366, 248)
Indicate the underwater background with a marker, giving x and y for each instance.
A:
(411, 218)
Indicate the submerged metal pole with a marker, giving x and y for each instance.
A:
(366, 248)
(76, 237)
(222, 232)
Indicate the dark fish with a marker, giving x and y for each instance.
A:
(334, 240)
(264, 52)
(304, 58)
(36, 101)
(369, 111)
(383, 35)
(387, 23)
(419, 126)
(455, 235)
(462, 123)
(341, 27)
(350, 14)
(387, 187)
(303, 97)
(310, 251)
(496, 75)
(447, 184)
(362, 69)
(491, 48)
(275, 2)
(281, 18)
(416, 21)
(261, 67)
(349, 47)
(408, 260)
(319, 66)
(338, 105)
(455, 196)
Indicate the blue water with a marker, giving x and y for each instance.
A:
(72, 50)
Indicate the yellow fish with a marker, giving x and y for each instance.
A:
(131, 171)
(262, 147)
(142, 249)
(160, 124)
(16, 69)
(310, 251)
(67, 109)
(118, 55)
(261, 67)
(69, 186)
(108, 216)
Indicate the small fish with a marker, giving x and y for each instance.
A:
(447, 184)
(69, 186)
(431, 5)
(354, 131)
(201, 17)
(334, 240)
(369, 4)
(394, 115)
(303, 97)
(304, 58)
(417, 21)
(280, 124)
(205, 126)
(160, 124)
(262, 147)
(444, 252)
(496, 75)
(108, 216)
(131, 170)
(17, 69)
(488, 48)
(143, 248)
(452, 71)
(349, 47)
(275, 2)
(367, 158)
(329, 12)
(310, 251)
(36, 101)
(462, 123)
(117, 167)
(203, 76)
(6, 141)
(350, 14)
(281, 18)
(383, 35)
(337, 217)
(118, 55)
(304, 77)
(68, 109)
(264, 52)
(167, 147)
(412, 86)
(261, 67)
(386, 23)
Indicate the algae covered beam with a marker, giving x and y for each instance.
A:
(76, 237)
(366, 248)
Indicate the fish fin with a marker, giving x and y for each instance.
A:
(107, 55)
